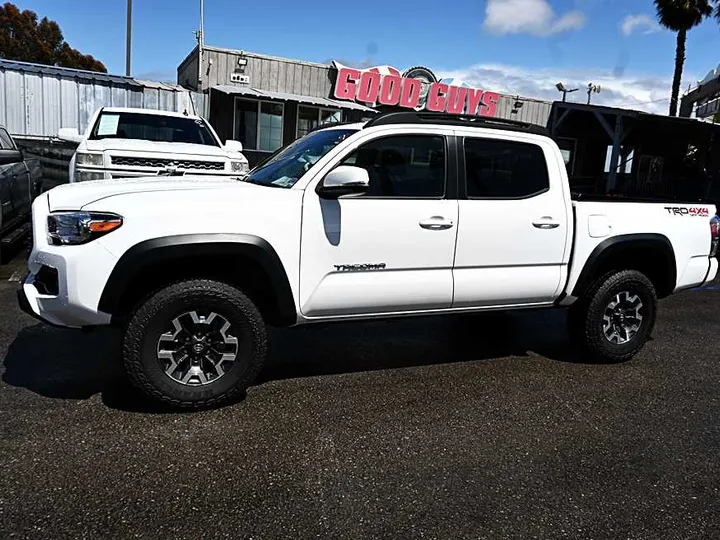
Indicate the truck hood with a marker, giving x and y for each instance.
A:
(142, 147)
(76, 196)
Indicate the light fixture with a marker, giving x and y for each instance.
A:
(593, 89)
(242, 64)
(517, 105)
(565, 90)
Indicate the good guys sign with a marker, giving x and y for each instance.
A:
(385, 86)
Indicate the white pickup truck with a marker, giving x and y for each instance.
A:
(408, 214)
(126, 143)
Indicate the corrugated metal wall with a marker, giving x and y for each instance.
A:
(532, 111)
(38, 105)
(267, 73)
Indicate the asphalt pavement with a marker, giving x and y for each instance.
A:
(483, 426)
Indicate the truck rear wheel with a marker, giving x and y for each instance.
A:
(616, 317)
(195, 344)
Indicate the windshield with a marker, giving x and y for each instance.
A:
(287, 166)
(152, 127)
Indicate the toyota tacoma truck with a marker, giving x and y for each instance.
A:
(407, 214)
(129, 143)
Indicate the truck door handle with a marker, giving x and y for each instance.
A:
(436, 223)
(546, 222)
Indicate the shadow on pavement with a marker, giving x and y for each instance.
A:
(68, 364)
(397, 343)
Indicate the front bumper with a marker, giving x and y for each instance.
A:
(64, 283)
(57, 310)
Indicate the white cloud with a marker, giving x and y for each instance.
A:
(645, 23)
(649, 93)
(534, 17)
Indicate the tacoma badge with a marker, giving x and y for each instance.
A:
(359, 267)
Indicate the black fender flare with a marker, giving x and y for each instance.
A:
(615, 245)
(174, 248)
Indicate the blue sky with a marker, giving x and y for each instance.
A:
(517, 46)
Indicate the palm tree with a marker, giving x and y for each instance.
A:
(681, 16)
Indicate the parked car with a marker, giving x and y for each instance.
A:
(407, 214)
(20, 182)
(126, 143)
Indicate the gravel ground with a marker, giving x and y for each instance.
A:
(457, 427)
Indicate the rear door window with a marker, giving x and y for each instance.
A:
(498, 169)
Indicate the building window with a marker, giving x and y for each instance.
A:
(311, 117)
(259, 124)
(307, 120)
(330, 116)
(271, 126)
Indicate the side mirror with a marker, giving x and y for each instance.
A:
(69, 134)
(233, 146)
(344, 180)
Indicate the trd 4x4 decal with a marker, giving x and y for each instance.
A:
(692, 211)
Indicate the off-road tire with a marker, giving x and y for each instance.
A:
(152, 317)
(585, 317)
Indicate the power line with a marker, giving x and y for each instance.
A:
(644, 102)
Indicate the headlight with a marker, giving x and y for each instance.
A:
(239, 166)
(72, 228)
(93, 160)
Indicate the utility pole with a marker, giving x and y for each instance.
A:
(201, 42)
(128, 44)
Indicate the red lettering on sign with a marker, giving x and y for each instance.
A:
(410, 96)
(474, 97)
(369, 87)
(436, 100)
(385, 86)
(345, 87)
(390, 90)
(456, 100)
(489, 104)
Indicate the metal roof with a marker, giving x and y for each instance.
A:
(69, 73)
(250, 54)
(284, 96)
(172, 87)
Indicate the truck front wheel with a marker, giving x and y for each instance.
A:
(195, 344)
(615, 318)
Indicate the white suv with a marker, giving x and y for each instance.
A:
(128, 143)
(408, 214)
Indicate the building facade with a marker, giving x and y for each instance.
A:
(704, 99)
(266, 102)
(263, 101)
(38, 100)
